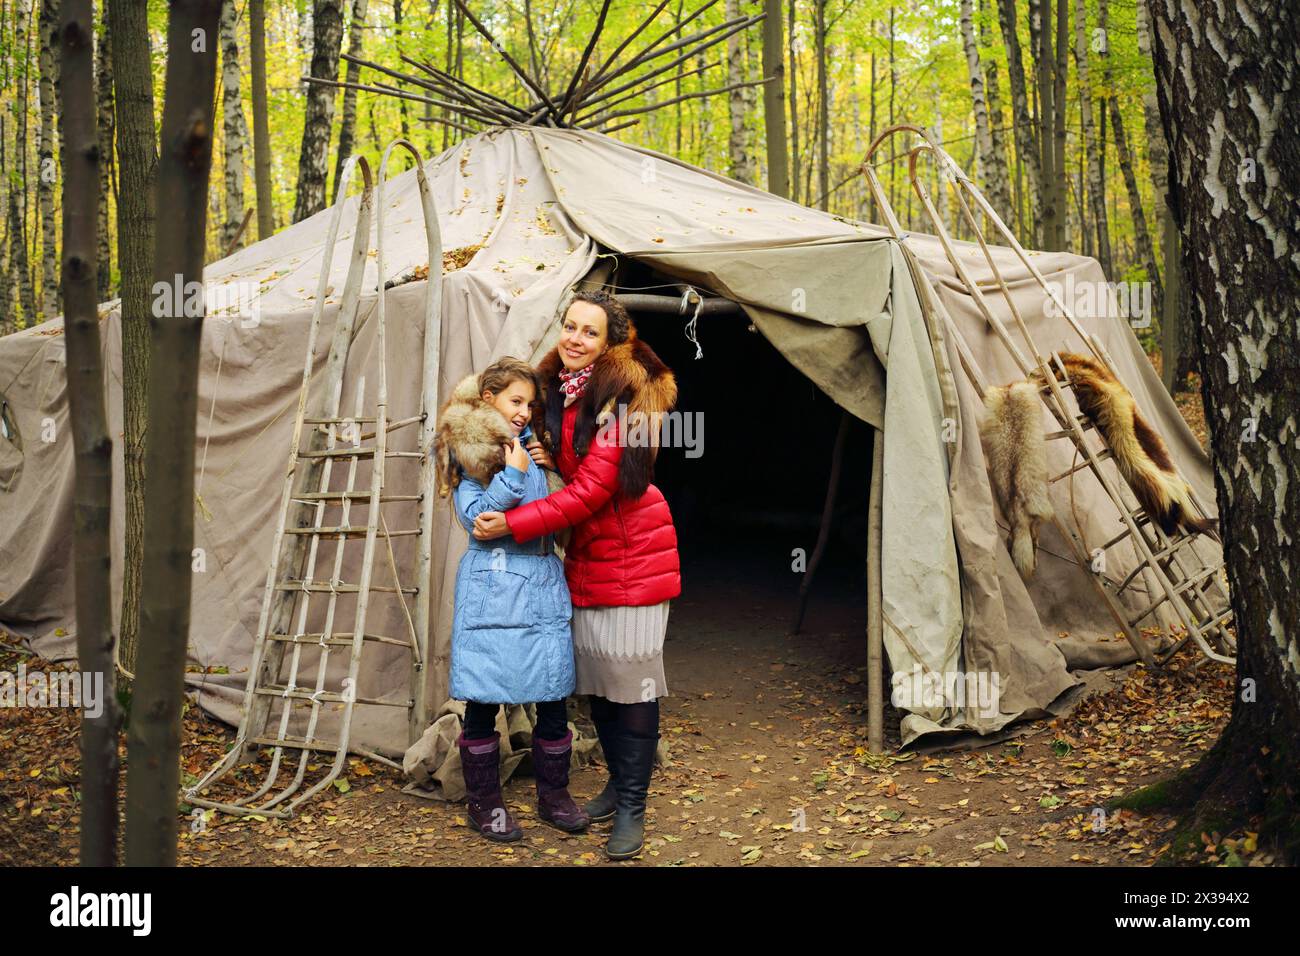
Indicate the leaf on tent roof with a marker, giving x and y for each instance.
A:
(501, 201)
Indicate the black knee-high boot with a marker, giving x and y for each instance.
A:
(638, 739)
(600, 808)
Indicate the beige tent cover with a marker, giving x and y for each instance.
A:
(837, 298)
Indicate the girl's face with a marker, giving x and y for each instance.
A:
(514, 402)
(583, 335)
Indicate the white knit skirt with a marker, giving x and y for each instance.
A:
(619, 652)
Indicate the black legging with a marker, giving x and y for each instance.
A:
(481, 719)
(635, 720)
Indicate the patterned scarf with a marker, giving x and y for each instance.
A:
(574, 383)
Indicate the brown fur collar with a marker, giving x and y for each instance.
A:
(628, 374)
(470, 437)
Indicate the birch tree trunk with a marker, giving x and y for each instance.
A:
(994, 97)
(992, 166)
(93, 450)
(1096, 185)
(137, 163)
(234, 127)
(327, 36)
(261, 123)
(153, 744)
(48, 174)
(1226, 80)
(778, 157)
(104, 96)
(1026, 152)
(739, 164)
(348, 125)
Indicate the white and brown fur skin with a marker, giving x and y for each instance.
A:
(1140, 453)
(628, 374)
(471, 436)
(1012, 433)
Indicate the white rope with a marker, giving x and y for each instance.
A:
(691, 331)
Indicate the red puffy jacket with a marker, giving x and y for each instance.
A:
(624, 550)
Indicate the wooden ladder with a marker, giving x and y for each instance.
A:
(1187, 584)
(321, 504)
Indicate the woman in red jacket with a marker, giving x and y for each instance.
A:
(605, 391)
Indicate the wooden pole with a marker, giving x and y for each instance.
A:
(875, 600)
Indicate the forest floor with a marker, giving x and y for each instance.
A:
(767, 765)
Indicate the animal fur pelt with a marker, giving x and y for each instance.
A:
(1140, 453)
(628, 374)
(1012, 432)
(471, 436)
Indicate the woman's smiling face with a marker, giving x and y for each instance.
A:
(583, 335)
(514, 402)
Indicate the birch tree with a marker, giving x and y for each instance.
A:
(234, 127)
(327, 36)
(992, 166)
(1226, 80)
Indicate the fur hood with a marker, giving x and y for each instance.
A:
(471, 437)
(628, 374)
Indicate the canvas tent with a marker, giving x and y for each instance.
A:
(525, 214)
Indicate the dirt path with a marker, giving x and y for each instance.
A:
(768, 766)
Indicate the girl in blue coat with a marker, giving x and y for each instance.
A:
(511, 641)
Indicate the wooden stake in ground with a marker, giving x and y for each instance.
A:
(93, 449)
(185, 161)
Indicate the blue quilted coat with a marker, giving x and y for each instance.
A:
(511, 641)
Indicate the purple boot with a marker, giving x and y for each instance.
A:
(479, 761)
(551, 768)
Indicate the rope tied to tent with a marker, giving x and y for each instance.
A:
(691, 324)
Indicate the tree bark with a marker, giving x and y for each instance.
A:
(234, 127)
(19, 260)
(104, 96)
(1026, 152)
(992, 166)
(1142, 235)
(1177, 358)
(740, 163)
(823, 137)
(185, 162)
(994, 98)
(261, 127)
(795, 159)
(1226, 81)
(1096, 185)
(48, 174)
(327, 37)
(348, 125)
(1060, 72)
(93, 450)
(778, 157)
(137, 163)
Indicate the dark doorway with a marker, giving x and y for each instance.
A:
(750, 494)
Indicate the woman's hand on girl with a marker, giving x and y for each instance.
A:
(489, 525)
(516, 456)
(540, 455)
